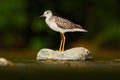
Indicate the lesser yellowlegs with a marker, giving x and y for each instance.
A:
(61, 25)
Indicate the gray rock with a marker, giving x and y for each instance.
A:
(78, 53)
(5, 62)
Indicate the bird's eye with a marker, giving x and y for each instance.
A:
(47, 12)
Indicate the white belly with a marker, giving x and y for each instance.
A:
(53, 26)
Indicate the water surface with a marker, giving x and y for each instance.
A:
(62, 70)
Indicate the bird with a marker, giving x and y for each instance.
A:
(61, 25)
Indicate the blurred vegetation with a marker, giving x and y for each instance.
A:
(19, 29)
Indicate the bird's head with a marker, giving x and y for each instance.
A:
(47, 13)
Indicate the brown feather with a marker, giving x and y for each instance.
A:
(65, 23)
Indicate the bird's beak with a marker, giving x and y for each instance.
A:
(42, 16)
(39, 17)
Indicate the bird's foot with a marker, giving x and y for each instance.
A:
(59, 51)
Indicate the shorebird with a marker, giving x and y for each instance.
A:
(61, 25)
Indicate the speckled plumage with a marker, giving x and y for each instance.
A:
(65, 23)
(60, 24)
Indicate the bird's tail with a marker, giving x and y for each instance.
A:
(82, 30)
(79, 28)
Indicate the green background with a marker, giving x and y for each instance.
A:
(22, 34)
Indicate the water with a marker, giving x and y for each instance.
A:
(62, 70)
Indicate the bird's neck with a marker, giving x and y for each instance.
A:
(48, 17)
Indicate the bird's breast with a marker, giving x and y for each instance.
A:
(53, 25)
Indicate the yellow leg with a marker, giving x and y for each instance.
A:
(61, 43)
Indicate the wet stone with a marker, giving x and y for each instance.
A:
(78, 53)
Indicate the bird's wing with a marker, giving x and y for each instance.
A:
(64, 23)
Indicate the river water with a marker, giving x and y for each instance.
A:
(62, 70)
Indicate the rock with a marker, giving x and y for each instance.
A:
(78, 53)
(5, 62)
